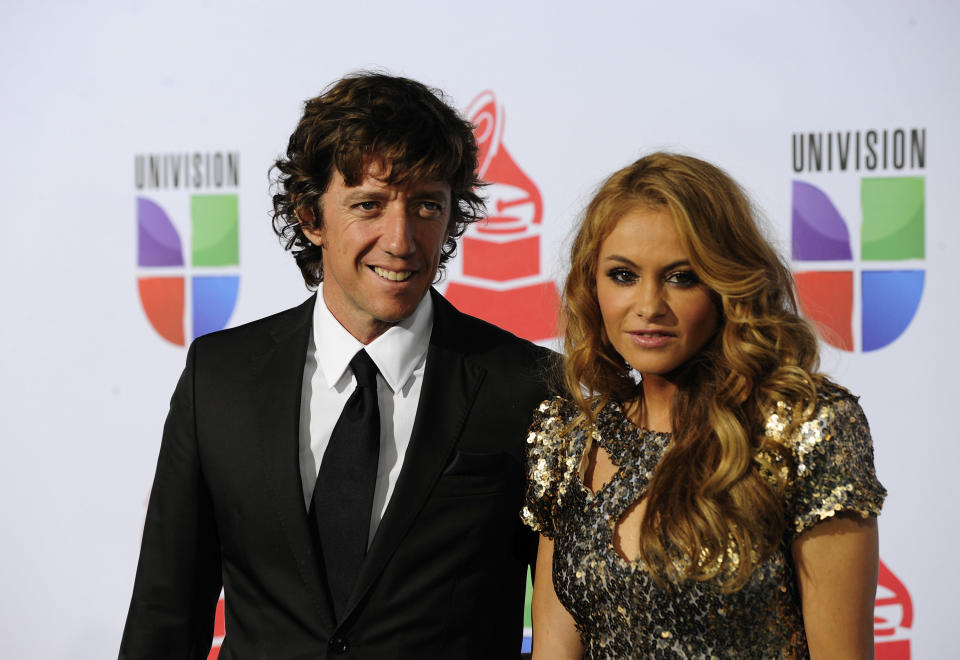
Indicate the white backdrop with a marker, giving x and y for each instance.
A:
(582, 90)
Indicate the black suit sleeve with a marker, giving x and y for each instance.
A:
(178, 576)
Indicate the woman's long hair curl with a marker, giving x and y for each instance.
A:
(714, 507)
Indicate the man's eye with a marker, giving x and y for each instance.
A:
(622, 275)
(429, 209)
(683, 278)
(367, 206)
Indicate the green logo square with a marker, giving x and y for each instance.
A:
(215, 235)
(893, 218)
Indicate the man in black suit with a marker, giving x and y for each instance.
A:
(324, 546)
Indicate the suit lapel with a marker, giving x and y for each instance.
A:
(450, 385)
(278, 383)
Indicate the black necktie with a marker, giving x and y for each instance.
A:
(343, 497)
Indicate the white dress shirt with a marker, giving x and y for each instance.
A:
(400, 354)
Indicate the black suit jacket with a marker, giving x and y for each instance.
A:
(444, 576)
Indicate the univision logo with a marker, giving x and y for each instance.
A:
(862, 294)
(188, 293)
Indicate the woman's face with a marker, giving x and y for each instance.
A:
(656, 311)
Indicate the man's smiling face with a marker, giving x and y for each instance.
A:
(381, 248)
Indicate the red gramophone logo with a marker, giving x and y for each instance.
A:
(892, 617)
(500, 255)
(219, 631)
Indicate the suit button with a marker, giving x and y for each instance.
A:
(338, 644)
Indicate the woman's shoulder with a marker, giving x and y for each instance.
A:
(832, 454)
(797, 426)
(833, 398)
(838, 411)
(551, 419)
(548, 462)
(559, 407)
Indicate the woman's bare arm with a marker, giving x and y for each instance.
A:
(837, 563)
(555, 635)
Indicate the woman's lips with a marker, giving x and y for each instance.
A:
(651, 339)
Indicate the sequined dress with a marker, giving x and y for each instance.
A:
(618, 608)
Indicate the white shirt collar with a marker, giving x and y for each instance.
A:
(397, 352)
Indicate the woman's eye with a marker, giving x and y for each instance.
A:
(622, 276)
(683, 278)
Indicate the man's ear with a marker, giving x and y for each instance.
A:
(308, 223)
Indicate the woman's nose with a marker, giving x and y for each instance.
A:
(650, 302)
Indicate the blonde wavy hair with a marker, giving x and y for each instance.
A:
(714, 508)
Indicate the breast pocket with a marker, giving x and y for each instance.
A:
(470, 474)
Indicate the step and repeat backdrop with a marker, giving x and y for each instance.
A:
(136, 140)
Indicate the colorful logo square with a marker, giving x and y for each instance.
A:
(210, 279)
(892, 231)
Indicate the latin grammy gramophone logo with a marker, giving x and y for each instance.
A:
(892, 617)
(502, 282)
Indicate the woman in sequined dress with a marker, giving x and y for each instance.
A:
(702, 491)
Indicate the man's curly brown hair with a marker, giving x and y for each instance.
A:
(366, 118)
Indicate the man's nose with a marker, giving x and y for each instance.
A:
(398, 231)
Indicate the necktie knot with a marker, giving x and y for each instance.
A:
(364, 370)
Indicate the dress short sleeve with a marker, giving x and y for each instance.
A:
(547, 465)
(834, 469)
